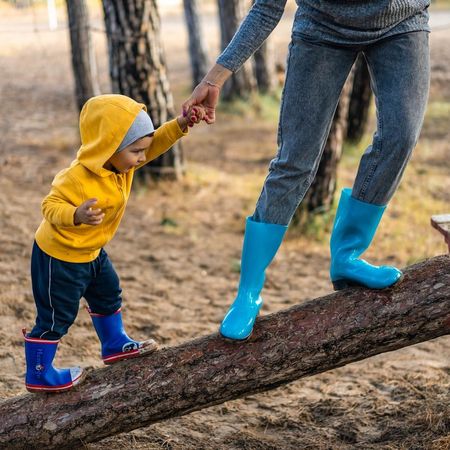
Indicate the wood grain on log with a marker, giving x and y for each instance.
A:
(306, 339)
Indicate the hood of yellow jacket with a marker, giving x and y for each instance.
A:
(104, 122)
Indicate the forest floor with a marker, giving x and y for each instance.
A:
(178, 249)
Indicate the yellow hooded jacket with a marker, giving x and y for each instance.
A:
(104, 121)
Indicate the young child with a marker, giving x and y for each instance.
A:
(81, 215)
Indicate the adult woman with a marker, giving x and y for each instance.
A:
(327, 36)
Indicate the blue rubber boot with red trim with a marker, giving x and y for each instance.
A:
(41, 376)
(116, 344)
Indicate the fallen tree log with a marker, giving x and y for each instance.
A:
(314, 337)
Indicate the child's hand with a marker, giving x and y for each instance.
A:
(85, 214)
(195, 115)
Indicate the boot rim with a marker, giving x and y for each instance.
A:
(93, 314)
(40, 341)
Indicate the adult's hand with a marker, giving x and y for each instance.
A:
(207, 92)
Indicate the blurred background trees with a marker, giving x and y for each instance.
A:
(84, 64)
(360, 97)
(137, 67)
(242, 83)
(197, 42)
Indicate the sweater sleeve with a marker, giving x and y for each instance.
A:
(164, 138)
(262, 18)
(59, 206)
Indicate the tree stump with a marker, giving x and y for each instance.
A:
(442, 224)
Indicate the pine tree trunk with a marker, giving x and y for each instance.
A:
(242, 83)
(319, 197)
(264, 67)
(138, 70)
(301, 341)
(83, 57)
(197, 50)
(358, 111)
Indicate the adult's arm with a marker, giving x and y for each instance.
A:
(262, 18)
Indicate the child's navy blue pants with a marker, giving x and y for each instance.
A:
(59, 285)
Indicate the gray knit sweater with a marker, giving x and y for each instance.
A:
(351, 22)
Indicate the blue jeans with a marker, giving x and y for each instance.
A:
(316, 73)
(59, 285)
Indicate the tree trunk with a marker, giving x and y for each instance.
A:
(138, 70)
(197, 50)
(358, 111)
(319, 197)
(242, 83)
(264, 67)
(306, 339)
(83, 58)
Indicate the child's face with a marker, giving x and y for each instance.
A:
(130, 156)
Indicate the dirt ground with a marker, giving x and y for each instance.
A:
(179, 244)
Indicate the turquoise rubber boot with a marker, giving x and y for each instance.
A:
(261, 242)
(353, 230)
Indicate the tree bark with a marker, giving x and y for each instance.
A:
(138, 69)
(84, 64)
(306, 339)
(264, 67)
(197, 50)
(319, 197)
(242, 83)
(359, 105)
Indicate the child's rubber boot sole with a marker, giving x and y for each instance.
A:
(146, 347)
(35, 389)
